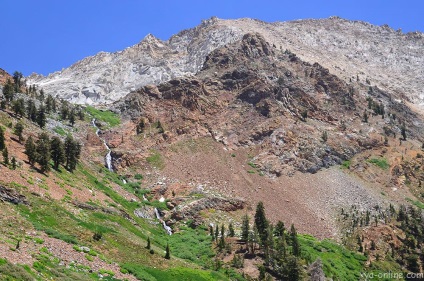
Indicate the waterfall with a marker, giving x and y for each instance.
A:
(167, 228)
(108, 157)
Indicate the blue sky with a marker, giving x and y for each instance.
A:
(44, 36)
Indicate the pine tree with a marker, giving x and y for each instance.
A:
(8, 90)
(245, 228)
(5, 156)
(18, 107)
(18, 130)
(167, 253)
(3, 104)
(57, 152)
(211, 232)
(81, 114)
(49, 103)
(64, 110)
(403, 131)
(30, 150)
(2, 143)
(41, 116)
(72, 117)
(41, 96)
(231, 230)
(294, 241)
(222, 238)
(261, 222)
(17, 78)
(279, 229)
(72, 153)
(43, 151)
(216, 233)
(13, 163)
(31, 111)
(148, 243)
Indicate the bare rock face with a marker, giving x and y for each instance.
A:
(352, 50)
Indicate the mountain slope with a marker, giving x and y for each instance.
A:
(351, 49)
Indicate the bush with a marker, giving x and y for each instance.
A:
(138, 176)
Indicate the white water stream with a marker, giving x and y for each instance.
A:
(108, 157)
(167, 228)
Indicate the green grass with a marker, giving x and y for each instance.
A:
(60, 131)
(346, 164)
(156, 160)
(338, 262)
(107, 116)
(379, 162)
(416, 203)
(172, 274)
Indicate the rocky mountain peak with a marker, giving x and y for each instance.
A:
(352, 50)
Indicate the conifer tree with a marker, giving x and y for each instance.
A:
(222, 238)
(41, 116)
(8, 90)
(43, 151)
(30, 150)
(57, 152)
(18, 130)
(403, 131)
(279, 229)
(245, 228)
(148, 243)
(19, 107)
(31, 111)
(2, 143)
(294, 241)
(13, 163)
(72, 153)
(49, 103)
(167, 252)
(72, 117)
(261, 222)
(231, 230)
(5, 156)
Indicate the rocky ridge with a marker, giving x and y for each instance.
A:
(352, 50)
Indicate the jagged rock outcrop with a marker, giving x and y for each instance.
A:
(12, 196)
(352, 50)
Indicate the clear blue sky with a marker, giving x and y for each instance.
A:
(44, 36)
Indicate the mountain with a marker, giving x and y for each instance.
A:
(248, 159)
(354, 50)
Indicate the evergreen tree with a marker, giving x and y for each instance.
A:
(43, 151)
(279, 229)
(3, 104)
(216, 233)
(18, 107)
(17, 78)
(148, 243)
(245, 228)
(2, 142)
(261, 222)
(72, 117)
(13, 163)
(57, 152)
(72, 153)
(5, 156)
(30, 150)
(231, 230)
(211, 232)
(49, 103)
(18, 130)
(294, 241)
(31, 111)
(8, 90)
(64, 110)
(41, 96)
(167, 252)
(222, 238)
(41, 116)
(403, 131)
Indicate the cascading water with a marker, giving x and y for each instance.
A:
(167, 228)
(108, 157)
